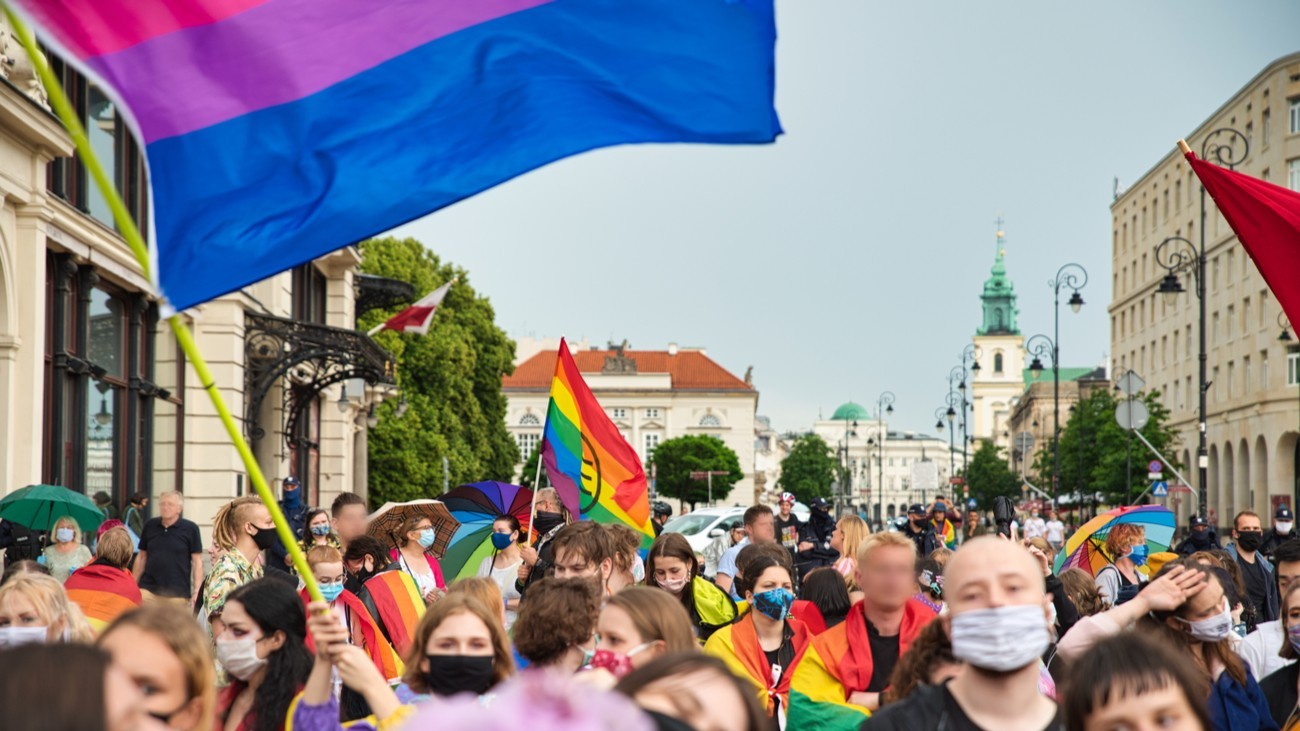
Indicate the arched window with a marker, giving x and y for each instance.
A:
(529, 419)
(997, 363)
(710, 420)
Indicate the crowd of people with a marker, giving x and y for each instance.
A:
(820, 625)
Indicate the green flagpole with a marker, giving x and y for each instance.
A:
(68, 116)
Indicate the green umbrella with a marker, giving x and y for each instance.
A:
(38, 506)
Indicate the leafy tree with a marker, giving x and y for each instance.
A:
(530, 469)
(1096, 451)
(451, 379)
(988, 476)
(809, 468)
(675, 459)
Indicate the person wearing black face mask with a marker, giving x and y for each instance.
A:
(1200, 537)
(921, 531)
(540, 557)
(1256, 571)
(364, 557)
(243, 527)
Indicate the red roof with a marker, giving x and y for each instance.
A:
(690, 370)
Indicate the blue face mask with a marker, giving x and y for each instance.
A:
(774, 604)
(331, 591)
(320, 530)
(501, 541)
(427, 537)
(1139, 555)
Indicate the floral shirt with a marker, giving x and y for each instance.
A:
(230, 572)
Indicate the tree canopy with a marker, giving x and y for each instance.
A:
(675, 459)
(809, 468)
(988, 476)
(451, 379)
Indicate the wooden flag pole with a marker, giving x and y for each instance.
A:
(68, 116)
(1183, 148)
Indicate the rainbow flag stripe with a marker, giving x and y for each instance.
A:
(277, 131)
(397, 606)
(597, 473)
(102, 592)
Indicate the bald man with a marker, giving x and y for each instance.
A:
(998, 614)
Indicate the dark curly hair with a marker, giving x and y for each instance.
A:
(274, 605)
(928, 651)
(558, 614)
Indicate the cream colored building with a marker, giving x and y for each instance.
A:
(770, 448)
(1252, 408)
(93, 393)
(898, 461)
(999, 351)
(651, 395)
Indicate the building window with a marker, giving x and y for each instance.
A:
(997, 363)
(618, 413)
(1246, 385)
(1263, 370)
(711, 421)
(309, 294)
(529, 419)
(1232, 315)
(652, 413)
(527, 443)
(651, 444)
(1293, 174)
(1292, 366)
(1266, 127)
(1293, 116)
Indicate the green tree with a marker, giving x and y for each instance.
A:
(675, 459)
(809, 468)
(529, 472)
(1096, 451)
(988, 476)
(451, 379)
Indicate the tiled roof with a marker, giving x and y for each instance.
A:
(690, 370)
(1067, 374)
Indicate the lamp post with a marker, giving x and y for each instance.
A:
(1074, 277)
(1285, 337)
(879, 448)
(1178, 255)
(972, 354)
(884, 407)
(846, 477)
(1039, 347)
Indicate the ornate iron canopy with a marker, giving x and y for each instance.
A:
(308, 358)
(375, 292)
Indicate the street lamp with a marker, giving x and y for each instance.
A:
(1228, 148)
(1041, 346)
(878, 447)
(846, 479)
(959, 374)
(1075, 277)
(884, 406)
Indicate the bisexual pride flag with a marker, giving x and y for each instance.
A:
(279, 130)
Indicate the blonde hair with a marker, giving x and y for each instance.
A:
(855, 531)
(178, 630)
(116, 547)
(503, 662)
(483, 589)
(410, 524)
(323, 554)
(51, 602)
(68, 520)
(880, 540)
(228, 521)
(940, 554)
(657, 615)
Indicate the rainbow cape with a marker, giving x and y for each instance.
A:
(595, 470)
(365, 634)
(277, 131)
(102, 592)
(394, 601)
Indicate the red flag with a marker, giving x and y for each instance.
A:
(416, 318)
(1266, 218)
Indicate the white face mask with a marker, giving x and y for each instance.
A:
(673, 586)
(1001, 639)
(64, 535)
(239, 657)
(1211, 629)
(14, 636)
(1284, 526)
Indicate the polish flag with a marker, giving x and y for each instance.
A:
(416, 318)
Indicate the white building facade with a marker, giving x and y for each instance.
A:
(1000, 353)
(651, 395)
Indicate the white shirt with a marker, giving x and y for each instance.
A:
(1259, 649)
(505, 581)
(1055, 532)
(1034, 528)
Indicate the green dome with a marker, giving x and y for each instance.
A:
(851, 412)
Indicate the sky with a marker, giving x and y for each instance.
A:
(847, 258)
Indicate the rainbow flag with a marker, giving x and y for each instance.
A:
(277, 131)
(366, 634)
(595, 470)
(394, 601)
(103, 592)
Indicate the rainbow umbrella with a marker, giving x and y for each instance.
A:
(477, 506)
(1085, 549)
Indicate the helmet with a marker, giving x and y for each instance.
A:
(787, 497)
(661, 509)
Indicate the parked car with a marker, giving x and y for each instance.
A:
(702, 526)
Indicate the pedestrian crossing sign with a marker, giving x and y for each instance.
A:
(1160, 489)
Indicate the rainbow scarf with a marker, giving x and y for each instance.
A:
(737, 645)
(397, 606)
(103, 592)
(365, 634)
(595, 470)
(277, 131)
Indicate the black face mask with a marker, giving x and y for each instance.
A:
(451, 674)
(547, 520)
(1200, 539)
(668, 723)
(265, 538)
(1250, 540)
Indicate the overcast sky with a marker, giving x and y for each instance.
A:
(848, 258)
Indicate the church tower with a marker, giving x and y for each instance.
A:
(1000, 380)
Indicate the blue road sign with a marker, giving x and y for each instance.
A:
(1160, 489)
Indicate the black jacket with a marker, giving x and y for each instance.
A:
(1280, 691)
(926, 708)
(1186, 548)
(926, 541)
(1272, 540)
